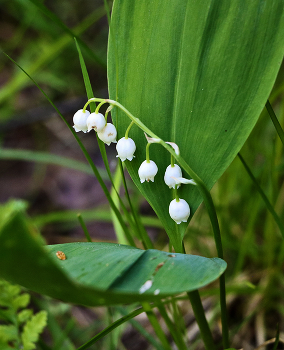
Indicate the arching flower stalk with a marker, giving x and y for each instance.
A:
(148, 169)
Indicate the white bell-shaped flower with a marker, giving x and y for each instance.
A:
(80, 120)
(125, 148)
(179, 210)
(172, 171)
(147, 171)
(96, 121)
(108, 134)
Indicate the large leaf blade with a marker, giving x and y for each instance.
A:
(195, 74)
(96, 273)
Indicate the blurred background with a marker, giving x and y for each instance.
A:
(41, 163)
(41, 40)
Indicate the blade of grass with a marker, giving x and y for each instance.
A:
(115, 197)
(90, 94)
(173, 328)
(57, 21)
(94, 168)
(248, 237)
(276, 339)
(84, 228)
(264, 197)
(43, 157)
(156, 325)
(275, 121)
(107, 330)
(140, 228)
(96, 214)
(142, 330)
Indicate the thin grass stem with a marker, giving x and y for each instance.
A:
(156, 325)
(110, 328)
(84, 227)
(263, 195)
(173, 328)
(146, 241)
(141, 330)
(275, 121)
(120, 235)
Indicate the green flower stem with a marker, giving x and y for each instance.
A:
(128, 129)
(84, 227)
(207, 201)
(98, 107)
(148, 152)
(200, 317)
(107, 112)
(176, 193)
(198, 310)
(156, 325)
(102, 102)
(172, 161)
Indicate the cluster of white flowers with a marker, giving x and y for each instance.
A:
(85, 121)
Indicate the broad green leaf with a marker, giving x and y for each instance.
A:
(197, 74)
(97, 273)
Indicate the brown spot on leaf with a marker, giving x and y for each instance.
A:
(61, 255)
(159, 266)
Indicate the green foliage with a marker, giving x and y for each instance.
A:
(21, 328)
(33, 327)
(196, 75)
(8, 333)
(108, 274)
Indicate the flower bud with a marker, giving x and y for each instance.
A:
(125, 148)
(96, 121)
(172, 171)
(80, 120)
(179, 210)
(108, 134)
(147, 171)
